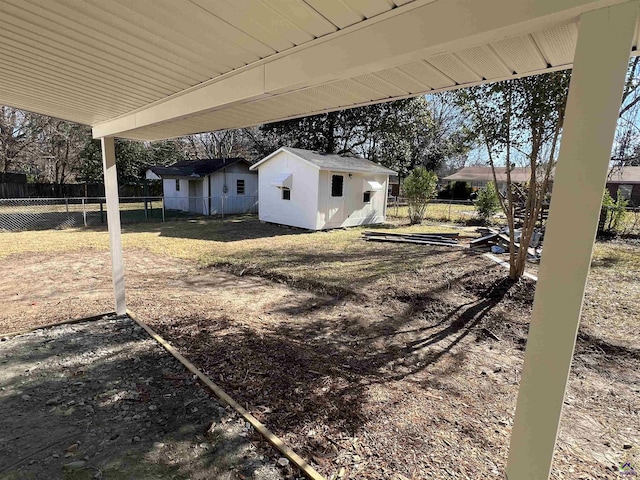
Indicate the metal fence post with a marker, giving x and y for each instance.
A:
(163, 209)
(66, 202)
(84, 212)
(450, 202)
(222, 206)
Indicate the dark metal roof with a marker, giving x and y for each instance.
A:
(196, 168)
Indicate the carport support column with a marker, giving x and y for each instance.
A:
(600, 65)
(113, 221)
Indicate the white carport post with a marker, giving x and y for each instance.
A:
(600, 64)
(113, 221)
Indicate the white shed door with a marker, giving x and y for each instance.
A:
(337, 186)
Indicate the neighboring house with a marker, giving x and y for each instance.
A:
(624, 182)
(319, 191)
(208, 187)
(478, 177)
(394, 186)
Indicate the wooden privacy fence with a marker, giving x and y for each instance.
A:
(16, 190)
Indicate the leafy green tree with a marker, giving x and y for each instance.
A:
(402, 135)
(487, 203)
(166, 152)
(419, 187)
(131, 158)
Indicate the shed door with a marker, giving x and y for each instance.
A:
(336, 198)
(193, 197)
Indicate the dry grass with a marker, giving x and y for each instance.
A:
(439, 212)
(403, 377)
(337, 259)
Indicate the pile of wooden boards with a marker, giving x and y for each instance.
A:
(438, 239)
(491, 237)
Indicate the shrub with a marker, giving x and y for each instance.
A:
(613, 211)
(487, 203)
(419, 187)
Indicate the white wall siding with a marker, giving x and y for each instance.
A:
(230, 202)
(175, 200)
(301, 210)
(353, 210)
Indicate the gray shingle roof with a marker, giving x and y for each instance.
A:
(195, 168)
(338, 163)
(625, 175)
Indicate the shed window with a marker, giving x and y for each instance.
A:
(366, 197)
(177, 184)
(337, 184)
(286, 193)
(240, 187)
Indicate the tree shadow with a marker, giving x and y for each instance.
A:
(318, 371)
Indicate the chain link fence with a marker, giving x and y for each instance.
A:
(18, 214)
(457, 211)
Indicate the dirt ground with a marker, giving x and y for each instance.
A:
(100, 399)
(403, 380)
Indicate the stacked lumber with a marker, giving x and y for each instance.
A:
(438, 239)
(491, 237)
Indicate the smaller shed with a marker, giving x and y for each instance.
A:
(208, 187)
(320, 191)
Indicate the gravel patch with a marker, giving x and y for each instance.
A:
(103, 400)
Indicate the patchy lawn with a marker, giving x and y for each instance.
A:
(379, 367)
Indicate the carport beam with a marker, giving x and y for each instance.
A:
(113, 221)
(599, 69)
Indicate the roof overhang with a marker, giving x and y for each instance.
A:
(372, 186)
(153, 71)
(283, 180)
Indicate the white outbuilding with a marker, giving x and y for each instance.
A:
(319, 191)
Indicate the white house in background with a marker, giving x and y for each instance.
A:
(208, 187)
(318, 191)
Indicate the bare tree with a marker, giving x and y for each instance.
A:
(18, 132)
(520, 121)
(58, 150)
(220, 144)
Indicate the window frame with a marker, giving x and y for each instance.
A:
(286, 193)
(366, 196)
(238, 184)
(333, 187)
(177, 184)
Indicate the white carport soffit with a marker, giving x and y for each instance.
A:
(153, 69)
(284, 180)
(417, 48)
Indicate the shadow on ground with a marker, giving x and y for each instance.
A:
(103, 400)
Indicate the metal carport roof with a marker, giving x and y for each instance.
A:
(152, 69)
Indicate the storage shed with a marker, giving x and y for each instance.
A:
(211, 186)
(319, 191)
